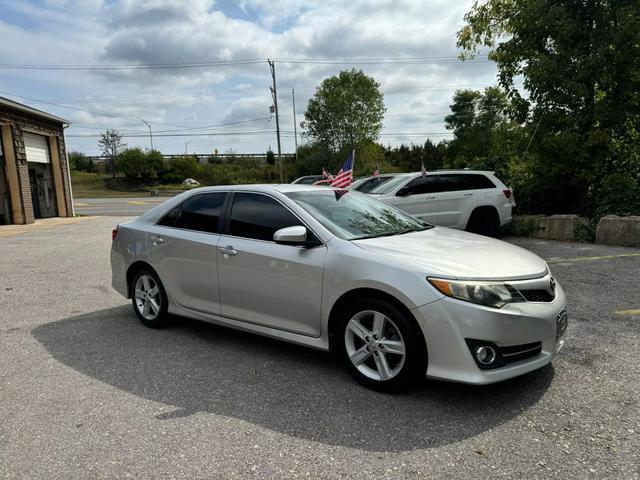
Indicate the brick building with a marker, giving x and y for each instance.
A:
(34, 172)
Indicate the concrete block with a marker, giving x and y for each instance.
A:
(615, 230)
(564, 227)
(554, 227)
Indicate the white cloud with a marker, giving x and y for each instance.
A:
(166, 31)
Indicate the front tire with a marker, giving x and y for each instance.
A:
(149, 299)
(381, 345)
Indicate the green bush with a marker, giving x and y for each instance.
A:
(182, 166)
(131, 162)
(169, 178)
(135, 163)
(619, 195)
(271, 158)
(79, 161)
(585, 233)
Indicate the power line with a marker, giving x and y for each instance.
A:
(204, 134)
(249, 61)
(379, 61)
(148, 66)
(284, 133)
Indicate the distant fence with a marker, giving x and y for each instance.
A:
(212, 157)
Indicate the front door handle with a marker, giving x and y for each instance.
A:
(228, 250)
(467, 194)
(430, 198)
(156, 239)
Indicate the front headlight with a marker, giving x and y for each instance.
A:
(490, 294)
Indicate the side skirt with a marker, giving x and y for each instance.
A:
(318, 343)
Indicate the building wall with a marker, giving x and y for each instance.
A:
(17, 123)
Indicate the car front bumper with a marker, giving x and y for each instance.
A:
(447, 325)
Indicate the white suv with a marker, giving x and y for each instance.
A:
(473, 200)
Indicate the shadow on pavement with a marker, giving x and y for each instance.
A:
(197, 367)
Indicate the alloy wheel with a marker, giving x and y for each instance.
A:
(374, 345)
(147, 297)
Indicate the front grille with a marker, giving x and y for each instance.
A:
(537, 295)
(520, 352)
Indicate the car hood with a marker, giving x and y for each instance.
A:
(457, 254)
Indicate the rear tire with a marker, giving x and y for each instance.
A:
(381, 345)
(149, 299)
(484, 221)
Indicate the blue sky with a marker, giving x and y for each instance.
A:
(322, 38)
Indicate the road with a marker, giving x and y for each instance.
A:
(88, 392)
(117, 206)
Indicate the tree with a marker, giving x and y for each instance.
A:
(580, 62)
(135, 163)
(484, 135)
(111, 145)
(155, 163)
(345, 112)
(131, 162)
(271, 158)
(79, 161)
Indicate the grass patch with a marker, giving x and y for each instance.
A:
(93, 185)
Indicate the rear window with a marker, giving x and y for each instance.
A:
(478, 182)
(455, 182)
(200, 213)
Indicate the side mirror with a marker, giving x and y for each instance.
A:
(403, 192)
(291, 235)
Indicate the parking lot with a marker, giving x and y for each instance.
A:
(88, 392)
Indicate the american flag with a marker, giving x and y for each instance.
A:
(376, 172)
(339, 194)
(344, 178)
(326, 174)
(423, 170)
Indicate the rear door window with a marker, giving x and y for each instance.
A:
(170, 219)
(452, 182)
(200, 213)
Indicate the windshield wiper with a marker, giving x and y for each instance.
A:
(392, 234)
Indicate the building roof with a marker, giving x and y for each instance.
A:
(5, 102)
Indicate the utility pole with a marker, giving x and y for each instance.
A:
(295, 127)
(274, 95)
(186, 144)
(150, 134)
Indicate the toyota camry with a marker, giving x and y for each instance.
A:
(396, 298)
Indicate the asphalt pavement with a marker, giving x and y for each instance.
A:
(116, 206)
(88, 392)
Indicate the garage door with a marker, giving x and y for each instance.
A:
(37, 148)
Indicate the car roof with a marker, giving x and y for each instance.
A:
(461, 170)
(446, 171)
(366, 177)
(260, 187)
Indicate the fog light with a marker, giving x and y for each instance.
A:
(486, 355)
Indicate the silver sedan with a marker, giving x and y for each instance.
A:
(337, 270)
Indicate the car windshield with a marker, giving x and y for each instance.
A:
(353, 215)
(365, 185)
(387, 187)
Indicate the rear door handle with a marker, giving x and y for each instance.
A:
(156, 239)
(430, 198)
(467, 194)
(228, 250)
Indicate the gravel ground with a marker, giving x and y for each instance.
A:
(87, 392)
